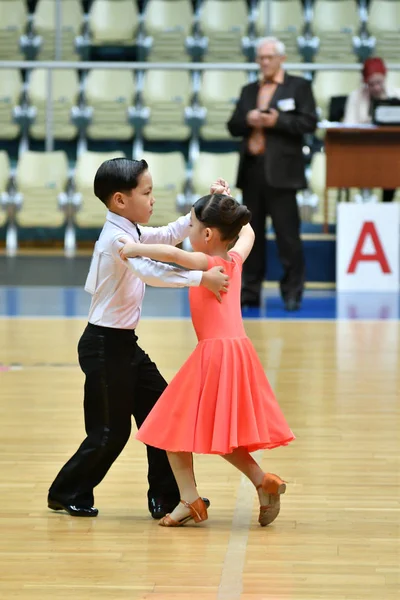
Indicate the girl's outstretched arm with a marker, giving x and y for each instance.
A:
(245, 242)
(163, 253)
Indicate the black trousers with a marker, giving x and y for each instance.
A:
(121, 381)
(281, 206)
(388, 195)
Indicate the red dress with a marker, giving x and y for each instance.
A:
(220, 399)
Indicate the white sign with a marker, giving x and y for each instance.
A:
(368, 247)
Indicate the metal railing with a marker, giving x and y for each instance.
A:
(137, 67)
(50, 66)
(179, 66)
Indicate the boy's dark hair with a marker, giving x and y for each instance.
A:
(117, 175)
(222, 212)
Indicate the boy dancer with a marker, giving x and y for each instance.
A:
(121, 380)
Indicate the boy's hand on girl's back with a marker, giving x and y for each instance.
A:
(216, 281)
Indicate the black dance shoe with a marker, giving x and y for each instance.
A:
(71, 509)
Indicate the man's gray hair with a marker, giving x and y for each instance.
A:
(279, 46)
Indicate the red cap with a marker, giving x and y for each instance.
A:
(372, 66)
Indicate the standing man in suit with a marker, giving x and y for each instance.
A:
(271, 116)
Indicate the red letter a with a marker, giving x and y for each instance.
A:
(379, 255)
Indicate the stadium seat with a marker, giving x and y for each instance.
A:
(166, 94)
(393, 79)
(298, 73)
(224, 23)
(218, 94)
(286, 23)
(10, 91)
(333, 83)
(65, 92)
(384, 24)
(45, 26)
(40, 178)
(4, 180)
(113, 22)
(110, 94)
(168, 173)
(317, 186)
(335, 22)
(168, 23)
(209, 166)
(91, 212)
(13, 20)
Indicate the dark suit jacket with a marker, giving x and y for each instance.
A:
(283, 161)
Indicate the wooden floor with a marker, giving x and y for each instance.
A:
(338, 535)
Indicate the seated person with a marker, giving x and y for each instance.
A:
(358, 109)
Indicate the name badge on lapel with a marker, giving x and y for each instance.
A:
(286, 104)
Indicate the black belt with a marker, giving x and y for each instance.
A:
(110, 331)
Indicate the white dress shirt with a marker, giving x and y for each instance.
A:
(117, 286)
